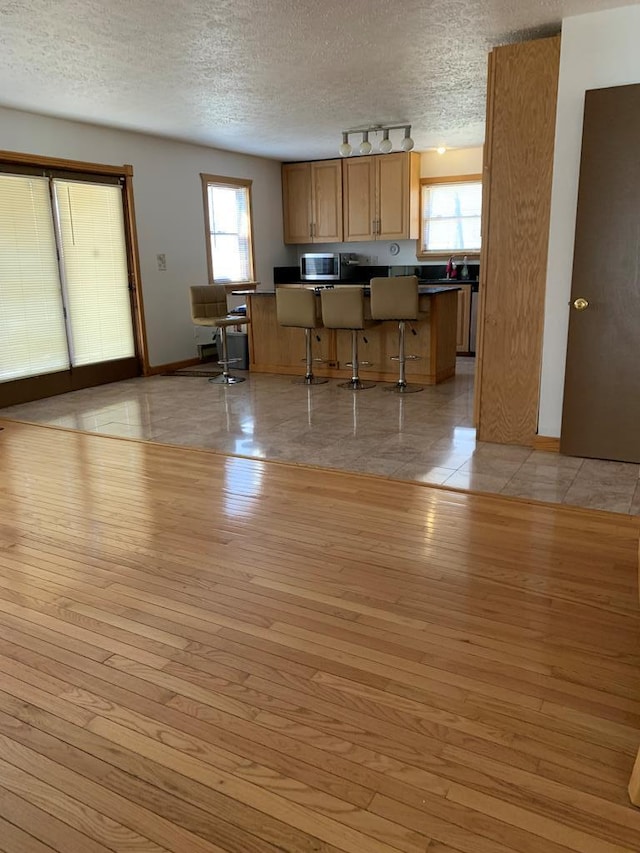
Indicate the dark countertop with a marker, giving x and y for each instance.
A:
(454, 281)
(423, 289)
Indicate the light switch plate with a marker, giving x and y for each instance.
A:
(162, 262)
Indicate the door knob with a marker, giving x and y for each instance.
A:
(580, 304)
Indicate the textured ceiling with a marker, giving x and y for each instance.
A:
(279, 78)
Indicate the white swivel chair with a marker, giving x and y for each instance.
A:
(343, 308)
(397, 299)
(298, 307)
(209, 308)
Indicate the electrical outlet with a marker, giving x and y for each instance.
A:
(374, 260)
(364, 260)
(162, 262)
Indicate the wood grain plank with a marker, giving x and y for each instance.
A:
(187, 804)
(12, 838)
(303, 818)
(43, 826)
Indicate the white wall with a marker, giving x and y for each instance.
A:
(461, 161)
(598, 50)
(169, 212)
(457, 161)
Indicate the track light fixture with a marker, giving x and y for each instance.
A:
(386, 145)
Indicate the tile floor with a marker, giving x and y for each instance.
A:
(427, 437)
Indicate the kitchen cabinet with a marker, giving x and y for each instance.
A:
(312, 202)
(381, 197)
(464, 318)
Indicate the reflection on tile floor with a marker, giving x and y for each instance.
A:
(426, 437)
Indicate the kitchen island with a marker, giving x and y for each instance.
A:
(277, 349)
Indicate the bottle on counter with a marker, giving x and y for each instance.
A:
(452, 268)
(464, 272)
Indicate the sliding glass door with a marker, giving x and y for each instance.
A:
(33, 339)
(95, 277)
(65, 296)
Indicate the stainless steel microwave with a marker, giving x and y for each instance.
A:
(320, 266)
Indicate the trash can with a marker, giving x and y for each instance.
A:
(238, 347)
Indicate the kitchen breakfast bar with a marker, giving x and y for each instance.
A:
(277, 349)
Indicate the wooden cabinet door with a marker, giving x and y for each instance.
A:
(326, 194)
(296, 202)
(464, 318)
(393, 187)
(359, 198)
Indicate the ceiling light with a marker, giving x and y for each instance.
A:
(407, 143)
(441, 149)
(345, 149)
(365, 145)
(386, 145)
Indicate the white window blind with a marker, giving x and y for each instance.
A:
(94, 261)
(451, 217)
(32, 330)
(230, 232)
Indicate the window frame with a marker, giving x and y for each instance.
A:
(234, 183)
(421, 252)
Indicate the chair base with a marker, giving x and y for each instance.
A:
(309, 380)
(404, 388)
(226, 380)
(356, 385)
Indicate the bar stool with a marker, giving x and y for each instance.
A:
(397, 299)
(297, 307)
(343, 308)
(209, 308)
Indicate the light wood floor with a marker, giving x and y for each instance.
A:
(202, 654)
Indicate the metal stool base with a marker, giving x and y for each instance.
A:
(309, 380)
(404, 388)
(226, 380)
(356, 385)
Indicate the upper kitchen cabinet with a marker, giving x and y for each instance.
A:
(381, 197)
(312, 202)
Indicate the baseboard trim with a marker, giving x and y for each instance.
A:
(547, 443)
(174, 365)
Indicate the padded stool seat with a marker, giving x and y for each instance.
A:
(397, 299)
(343, 308)
(209, 308)
(298, 307)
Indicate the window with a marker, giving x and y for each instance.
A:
(450, 215)
(227, 211)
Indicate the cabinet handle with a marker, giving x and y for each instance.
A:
(374, 226)
(311, 229)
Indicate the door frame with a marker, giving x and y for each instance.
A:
(47, 385)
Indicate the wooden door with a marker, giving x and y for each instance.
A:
(296, 202)
(326, 191)
(601, 411)
(359, 198)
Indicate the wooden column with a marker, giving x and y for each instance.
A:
(521, 112)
